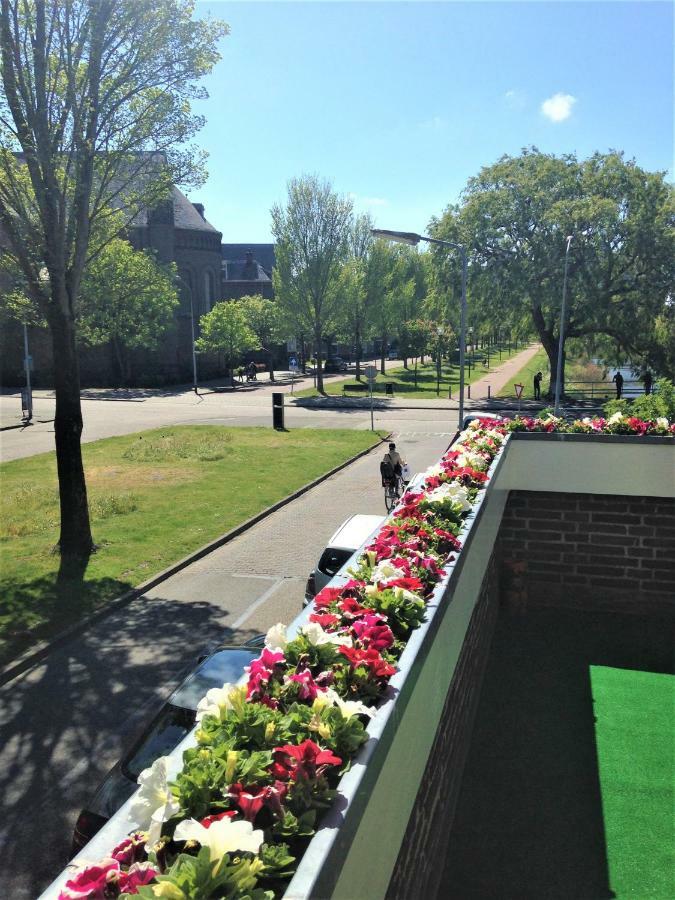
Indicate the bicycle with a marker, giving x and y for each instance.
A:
(393, 488)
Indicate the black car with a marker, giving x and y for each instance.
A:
(165, 731)
(334, 364)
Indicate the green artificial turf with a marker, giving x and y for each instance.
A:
(635, 740)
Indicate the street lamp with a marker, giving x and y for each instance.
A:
(410, 237)
(194, 352)
(561, 340)
(440, 331)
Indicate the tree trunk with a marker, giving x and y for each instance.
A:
(550, 344)
(270, 363)
(358, 351)
(319, 370)
(119, 362)
(75, 540)
(383, 352)
(415, 373)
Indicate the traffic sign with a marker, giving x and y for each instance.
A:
(293, 363)
(519, 390)
(370, 372)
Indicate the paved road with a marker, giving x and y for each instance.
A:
(108, 412)
(63, 724)
(106, 417)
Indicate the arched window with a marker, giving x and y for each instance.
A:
(209, 290)
(186, 286)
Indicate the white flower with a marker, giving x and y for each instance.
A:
(154, 803)
(275, 638)
(221, 837)
(662, 422)
(217, 701)
(434, 470)
(348, 708)
(452, 491)
(385, 571)
(317, 636)
(472, 460)
(617, 417)
(587, 420)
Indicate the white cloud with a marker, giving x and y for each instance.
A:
(367, 201)
(435, 123)
(515, 99)
(558, 107)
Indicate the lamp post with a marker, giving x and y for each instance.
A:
(561, 340)
(194, 352)
(410, 237)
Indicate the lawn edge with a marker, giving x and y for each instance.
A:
(41, 650)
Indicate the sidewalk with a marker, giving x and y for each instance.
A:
(503, 374)
(500, 376)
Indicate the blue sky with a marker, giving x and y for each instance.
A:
(398, 103)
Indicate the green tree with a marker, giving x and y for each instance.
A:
(127, 300)
(516, 216)
(415, 336)
(312, 233)
(95, 109)
(266, 322)
(226, 330)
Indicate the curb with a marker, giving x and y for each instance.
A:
(36, 654)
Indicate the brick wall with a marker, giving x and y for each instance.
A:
(417, 870)
(588, 551)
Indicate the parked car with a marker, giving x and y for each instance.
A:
(353, 532)
(334, 364)
(161, 735)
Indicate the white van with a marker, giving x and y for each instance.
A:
(349, 537)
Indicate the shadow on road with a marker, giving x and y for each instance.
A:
(65, 723)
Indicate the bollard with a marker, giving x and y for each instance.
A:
(278, 411)
(468, 391)
(489, 392)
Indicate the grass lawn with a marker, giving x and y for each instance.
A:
(154, 496)
(538, 363)
(404, 379)
(635, 735)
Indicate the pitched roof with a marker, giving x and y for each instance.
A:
(263, 254)
(186, 216)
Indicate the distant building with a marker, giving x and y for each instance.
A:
(177, 231)
(247, 269)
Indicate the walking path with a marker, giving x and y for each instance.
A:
(503, 374)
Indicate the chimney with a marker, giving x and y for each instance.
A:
(200, 208)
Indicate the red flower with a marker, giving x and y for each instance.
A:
(326, 596)
(408, 584)
(130, 850)
(208, 821)
(372, 632)
(138, 874)
(250, 801)
(308, 689)
(326, 620)
(370, 658)
(351, 608)
(302, 762)
(92, 882)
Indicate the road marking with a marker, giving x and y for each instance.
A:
(238, 622)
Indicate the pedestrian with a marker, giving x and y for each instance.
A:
(618, 379)
(537, 386)
(648, 380)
